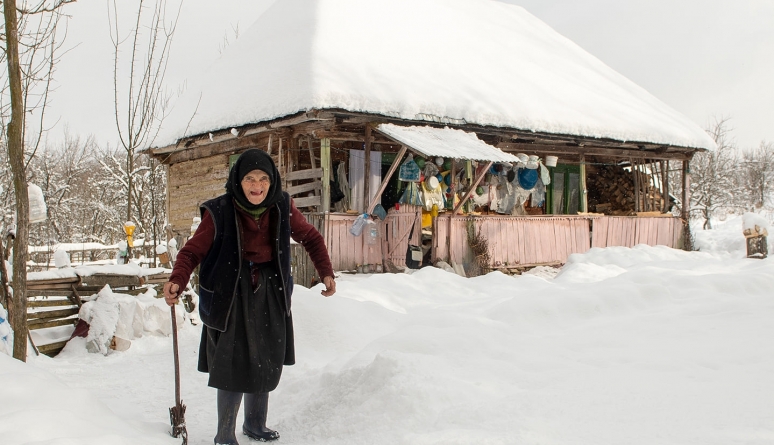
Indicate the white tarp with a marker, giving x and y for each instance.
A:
(446, 143)
(482, 62)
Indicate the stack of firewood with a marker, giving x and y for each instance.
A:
(611, 190)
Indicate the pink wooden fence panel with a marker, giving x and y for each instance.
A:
(513, 240)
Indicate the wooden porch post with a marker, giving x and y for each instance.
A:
(686, 213)
(367, 170)
(636, 186)
(665, 186)
(584, 202)
(325, 160)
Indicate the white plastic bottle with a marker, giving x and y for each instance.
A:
(371, 232)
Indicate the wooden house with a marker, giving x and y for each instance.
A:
(324, 85)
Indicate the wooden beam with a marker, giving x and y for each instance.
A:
(472, 188)
(510, 147)
(351, 137)
(212, 149)
(386, 179)
(244, 130)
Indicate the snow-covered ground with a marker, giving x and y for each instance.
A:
(647, 345)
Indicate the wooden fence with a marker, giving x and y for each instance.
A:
(56, 301)
(513, 241)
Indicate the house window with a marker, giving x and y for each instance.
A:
(563, 194)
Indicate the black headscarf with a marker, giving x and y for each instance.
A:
(254, 159)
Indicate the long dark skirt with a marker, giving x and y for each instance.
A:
(248, 357)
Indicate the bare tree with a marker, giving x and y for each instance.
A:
(140, 99)
(758, 173)
(30, 43)
(714, 175)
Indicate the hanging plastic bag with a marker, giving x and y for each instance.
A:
(544, 174)
(430, 169)
(411, 195)
(409, 170)
(357, 225)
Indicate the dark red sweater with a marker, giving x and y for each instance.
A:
(256, 244)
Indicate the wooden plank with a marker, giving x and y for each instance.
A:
(60, 313)
(50, 281)
(114, 280)
(50, 302)
(301, 188)
(49, 292)
(52, 349)
(40, 324)
(57, 289)
(314, 173)
(309, 201)
(598, 231)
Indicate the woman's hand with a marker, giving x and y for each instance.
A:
(171, 293)
(330, 287)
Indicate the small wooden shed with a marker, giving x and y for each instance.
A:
(483, 81)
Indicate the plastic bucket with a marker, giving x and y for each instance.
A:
(551, 161)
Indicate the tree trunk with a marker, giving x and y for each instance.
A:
(16, 159)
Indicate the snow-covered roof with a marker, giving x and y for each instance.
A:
(476, 61)
(446, 143)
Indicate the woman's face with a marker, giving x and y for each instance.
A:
(256, 185)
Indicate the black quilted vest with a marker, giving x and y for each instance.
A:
(219, 271)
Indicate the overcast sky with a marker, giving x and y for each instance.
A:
(705, 58)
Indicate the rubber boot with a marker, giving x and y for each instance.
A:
(256, 409)
(228, 408)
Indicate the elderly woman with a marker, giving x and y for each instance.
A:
(243, 246)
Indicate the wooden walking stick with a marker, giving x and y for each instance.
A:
(177, 412)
